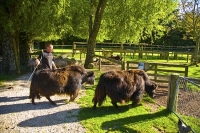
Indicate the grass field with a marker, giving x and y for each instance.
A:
(145, 118)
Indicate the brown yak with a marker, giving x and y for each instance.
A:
(123, 86)
(67, 80)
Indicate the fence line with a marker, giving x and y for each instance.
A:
(111, 60)
(183, 97)
(188, 97)
(159, 71)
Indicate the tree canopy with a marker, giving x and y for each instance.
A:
(40, 19)
(123, 21)
(126, 20)
(189, 18)
(119, 21)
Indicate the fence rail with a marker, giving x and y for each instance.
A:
(111, 60)
(159, 71)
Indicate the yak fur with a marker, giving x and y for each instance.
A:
(123, 86)
(67, 80)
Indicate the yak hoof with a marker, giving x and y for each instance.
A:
(114, 104)
(134, 105)
(71, 100)
(33, 102)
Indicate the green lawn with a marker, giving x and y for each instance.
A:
(141, 119)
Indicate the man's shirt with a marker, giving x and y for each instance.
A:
(46, 58)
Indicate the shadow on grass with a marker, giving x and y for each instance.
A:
(120, 124)
(89, 112)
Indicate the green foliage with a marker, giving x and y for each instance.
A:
(122, 21)
(190, 19)
(130, 20)
(42, 20)
(79, 12)
(175, 37)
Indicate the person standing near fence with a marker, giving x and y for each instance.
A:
(46, 57)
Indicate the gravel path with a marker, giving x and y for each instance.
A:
(17, 114)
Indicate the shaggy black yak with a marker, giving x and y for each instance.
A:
(117, 57)
(123, 86)
(67, 80)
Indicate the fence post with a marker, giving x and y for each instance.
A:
(80, 55)
(123, 65)
(73, 49)
(172, 92)
(127, 65)
(99, 64)
(186, 71)
(155, 73)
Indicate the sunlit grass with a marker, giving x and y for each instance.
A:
(140, 119)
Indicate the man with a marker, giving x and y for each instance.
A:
(47, 58)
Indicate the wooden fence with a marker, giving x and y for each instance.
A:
(159, 72)
(111, 60)
(165, 55)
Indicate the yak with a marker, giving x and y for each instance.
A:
(123, 86)
(117, 57)
(67, 80)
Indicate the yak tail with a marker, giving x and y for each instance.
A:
(100, 92)
(33, 91)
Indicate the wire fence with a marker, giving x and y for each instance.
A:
(188, 98)
(184, 100)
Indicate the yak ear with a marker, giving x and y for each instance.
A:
(90, 74)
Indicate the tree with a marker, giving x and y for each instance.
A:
(10, 43)
(129, 20)
(190, 18)
(40, 19)
(94, 31)
(94, 20)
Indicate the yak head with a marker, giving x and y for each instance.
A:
(88, 78)
(150, 88)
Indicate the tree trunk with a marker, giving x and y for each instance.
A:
(8, 56)
(196, 54)
(1, 51)
(15, 43)
(195, 58)
(24, 50)
(95, 29)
